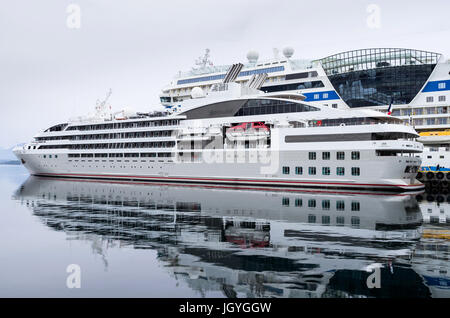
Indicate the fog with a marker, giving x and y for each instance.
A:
(50, 72)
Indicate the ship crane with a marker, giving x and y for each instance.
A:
(101, 108)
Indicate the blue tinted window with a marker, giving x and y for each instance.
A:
(217, 77)
(272, 106)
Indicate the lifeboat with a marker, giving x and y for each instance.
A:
(248, 131)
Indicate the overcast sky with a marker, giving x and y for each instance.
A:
(50, 72)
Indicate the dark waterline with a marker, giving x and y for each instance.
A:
(149, 240)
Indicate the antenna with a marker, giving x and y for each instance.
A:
(276, 53)
(204, 61)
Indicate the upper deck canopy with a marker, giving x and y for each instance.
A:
(366, 59)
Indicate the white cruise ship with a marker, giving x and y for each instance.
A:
(234, 134)
(415, 83)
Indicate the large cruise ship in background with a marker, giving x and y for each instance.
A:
(415, 83)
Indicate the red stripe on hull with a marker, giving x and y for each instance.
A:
(242, 181)
(304, 190)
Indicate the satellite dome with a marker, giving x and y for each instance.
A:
(288, 52)
(197, 92)
(252, 56)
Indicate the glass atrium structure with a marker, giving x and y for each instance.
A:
(373, 77)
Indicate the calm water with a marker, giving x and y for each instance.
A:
(154, 240)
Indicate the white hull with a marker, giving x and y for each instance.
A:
(377, 175)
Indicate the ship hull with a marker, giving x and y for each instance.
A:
(387, 174)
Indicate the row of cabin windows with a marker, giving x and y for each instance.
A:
(138, 124)
(420, 111)
(440, 157)
(340, 220)
(140, 134)
(51, 156)
(326, 204)
(352, 121)
(221, 76)
(326, 171)
(163, 144)
(340, 155)
(430, 99)
(120, 155)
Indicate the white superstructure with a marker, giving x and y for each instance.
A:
(283, 74)
(234, 134)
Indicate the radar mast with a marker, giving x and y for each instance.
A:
(203, 61)
(102, 111)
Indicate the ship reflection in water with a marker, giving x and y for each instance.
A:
(253, 243)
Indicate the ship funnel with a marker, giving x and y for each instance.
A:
(257, 80)
(233, 72)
